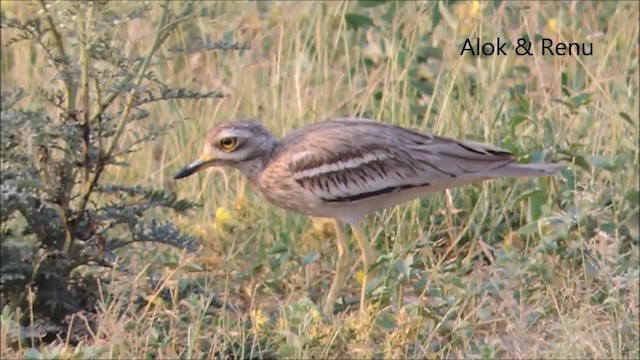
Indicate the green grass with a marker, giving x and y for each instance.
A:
(508, 268)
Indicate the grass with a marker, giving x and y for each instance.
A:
(541, 268)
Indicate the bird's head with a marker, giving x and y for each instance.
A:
(242, 144)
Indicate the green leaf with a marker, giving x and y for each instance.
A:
(371, 3)
(32, 353)
(564, 81)
(527, 194)
(535, 205)
(633, 197)
(600, 162)
(382, 259)
(547, 137)
(193, 267)
(425, 52)
(575, 102)
(570, 178)
(523, 103)
(390, 14)
(581, 100)
(422, 86)
(455, 281)
(402, 56)
(529, 229)
(520, 70)
(516, 92)
(626, 118)
(356, 21)
(309, 258)
(401, 269)
(436, 15)
(286, 351)
(228, 35)
(275, 263)
(582, 162)
(257, 268)
(576, 158)
(419, 285)
(426, 312)
(278, 248)
(386, 321)
(516, 120)
(565, 103)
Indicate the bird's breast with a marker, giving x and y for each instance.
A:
(280, 189)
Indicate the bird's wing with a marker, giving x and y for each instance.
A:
(347, 160)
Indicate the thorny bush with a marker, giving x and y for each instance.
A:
(59, 214)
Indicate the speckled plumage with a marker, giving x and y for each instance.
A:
(346, 168)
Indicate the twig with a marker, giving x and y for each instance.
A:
(161, 36)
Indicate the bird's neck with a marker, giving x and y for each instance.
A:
(252, 168)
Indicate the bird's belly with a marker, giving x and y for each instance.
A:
(293, 200)
(355, 211)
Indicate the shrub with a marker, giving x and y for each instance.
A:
(59, 210)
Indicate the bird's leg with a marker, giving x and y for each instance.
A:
(363, 243)
(369, 257)
(341, 268)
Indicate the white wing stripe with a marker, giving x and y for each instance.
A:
(351, 163)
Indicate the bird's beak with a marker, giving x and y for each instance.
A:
(204, 162)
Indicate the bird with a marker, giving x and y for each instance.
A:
(348, 167)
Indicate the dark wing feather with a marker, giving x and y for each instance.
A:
(354, 159)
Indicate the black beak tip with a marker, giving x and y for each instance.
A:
(183, 174)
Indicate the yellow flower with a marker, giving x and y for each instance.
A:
(474, 8)
(223, 216)
(552, 25)
(259, 319)
(315, 315)
(224, 219)
(359, 276)
(467, 11)
(241, 203)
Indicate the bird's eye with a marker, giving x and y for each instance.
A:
(228, 143)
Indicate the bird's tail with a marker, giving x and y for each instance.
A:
(526, 170)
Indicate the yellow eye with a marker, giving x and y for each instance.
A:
(228, 143)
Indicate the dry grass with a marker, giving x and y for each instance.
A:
(553, 274)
